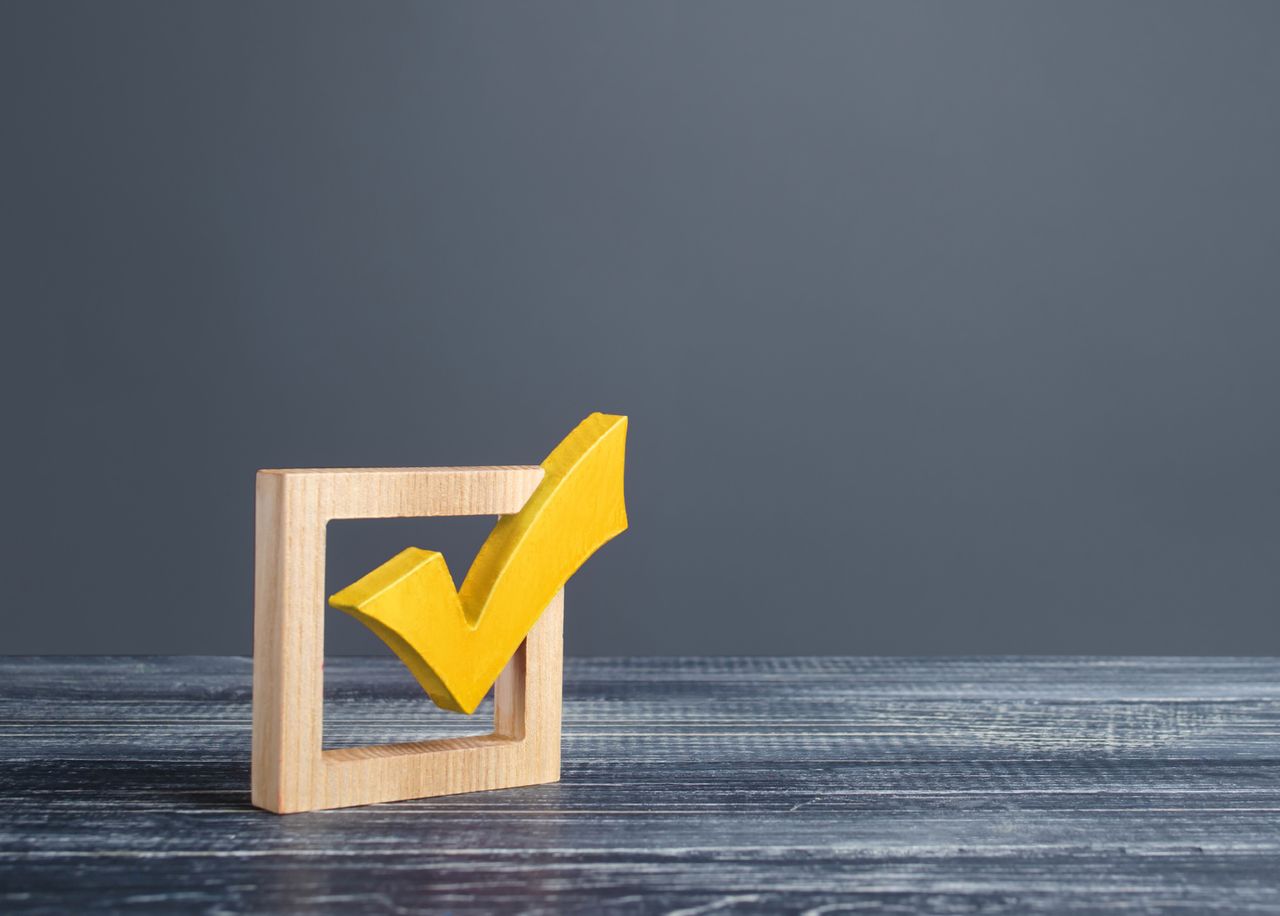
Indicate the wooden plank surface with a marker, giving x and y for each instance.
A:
(817, 785)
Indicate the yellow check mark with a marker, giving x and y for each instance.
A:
(456, 642)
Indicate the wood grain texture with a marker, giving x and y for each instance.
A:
(291, 771)
(689, 785)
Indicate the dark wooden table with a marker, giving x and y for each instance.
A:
(817, 785)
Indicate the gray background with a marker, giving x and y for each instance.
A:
(942, 327)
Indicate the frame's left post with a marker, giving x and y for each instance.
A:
(288, 644)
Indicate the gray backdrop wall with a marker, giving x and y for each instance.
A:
(942, 327)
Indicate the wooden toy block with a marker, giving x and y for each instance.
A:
(506, 622)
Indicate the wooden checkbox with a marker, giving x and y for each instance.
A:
(291, 769)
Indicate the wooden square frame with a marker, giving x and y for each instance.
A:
(291, 770)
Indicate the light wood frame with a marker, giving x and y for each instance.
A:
(291, 770)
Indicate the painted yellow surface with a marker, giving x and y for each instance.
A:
(456, 642)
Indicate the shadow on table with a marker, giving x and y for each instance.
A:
(205, 784)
